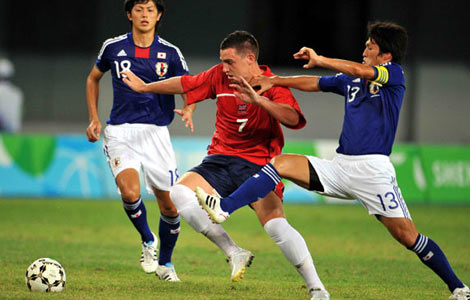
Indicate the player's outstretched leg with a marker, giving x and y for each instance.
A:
(211, 204)
(432, 256)
(168, 232)
(138, 215)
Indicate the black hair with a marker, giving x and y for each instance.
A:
(242, 41)
(129, 4)
(390, 37)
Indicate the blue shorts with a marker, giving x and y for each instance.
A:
(225, 173)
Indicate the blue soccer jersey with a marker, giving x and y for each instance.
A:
(372, 109)
(160, 61)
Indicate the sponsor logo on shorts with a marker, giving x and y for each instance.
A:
(136, 215)
(116, 162)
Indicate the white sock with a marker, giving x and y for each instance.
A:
(294, 248)
(186, 203)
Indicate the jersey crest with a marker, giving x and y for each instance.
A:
(161, 68)
(374, 87)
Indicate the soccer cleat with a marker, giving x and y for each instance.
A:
(239, 260)
(149, 257)
(211, 204)
(319, 294)
(461, 294)
(167, 272)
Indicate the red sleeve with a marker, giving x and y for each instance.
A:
(199, 87)
(284, 95)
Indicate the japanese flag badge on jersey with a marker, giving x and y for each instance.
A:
(161, 55)
(161, 68)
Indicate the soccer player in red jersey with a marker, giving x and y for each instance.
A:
(246, 137)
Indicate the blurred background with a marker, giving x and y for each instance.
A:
(54, 44)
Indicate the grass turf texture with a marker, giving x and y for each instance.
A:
(99, 249)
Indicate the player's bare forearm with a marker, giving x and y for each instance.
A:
(284, 113)
(302, 83)
(347, 67)
(169, 86)
(92, 92)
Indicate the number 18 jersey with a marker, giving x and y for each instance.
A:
(160, 61)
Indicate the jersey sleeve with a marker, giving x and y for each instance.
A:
(103, 62)
(179, 64)
(284, 95)
(199, 87)
(389, 74)
(334, 84)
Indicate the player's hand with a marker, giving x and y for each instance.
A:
(307, 54)
(134, 82)
(264, 82)
(187, 115)
(93, 131)
(244, 91)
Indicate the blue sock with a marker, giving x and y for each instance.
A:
(138, 215)
(168, 232)
(433, 257)
(254, 188)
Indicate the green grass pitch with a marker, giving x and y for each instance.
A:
(99, 249)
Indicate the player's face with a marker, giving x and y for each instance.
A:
(235, 64)
(144, 16)
(371, 54)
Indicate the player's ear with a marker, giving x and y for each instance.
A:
(251, 57)
(129, 16)
(387, 57)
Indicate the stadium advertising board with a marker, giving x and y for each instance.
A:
(71, 167)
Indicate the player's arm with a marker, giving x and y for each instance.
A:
(169, 86)
(303, 83)
(344, 66)
(92, 92)
(186, 112)
(284, 113)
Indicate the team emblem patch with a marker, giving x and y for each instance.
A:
(116, 162)
(242, 108)
(161, 68)
(374, 88)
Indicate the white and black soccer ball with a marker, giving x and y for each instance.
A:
(45, 275)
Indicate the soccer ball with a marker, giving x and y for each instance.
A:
(45, 275)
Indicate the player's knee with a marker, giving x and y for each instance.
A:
(130, 195)
(169, 210)
(280, 163)
(180, 195)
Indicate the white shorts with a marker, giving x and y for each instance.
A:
(143, 147)
(371, 179)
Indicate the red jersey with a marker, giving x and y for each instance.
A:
(241, 129)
